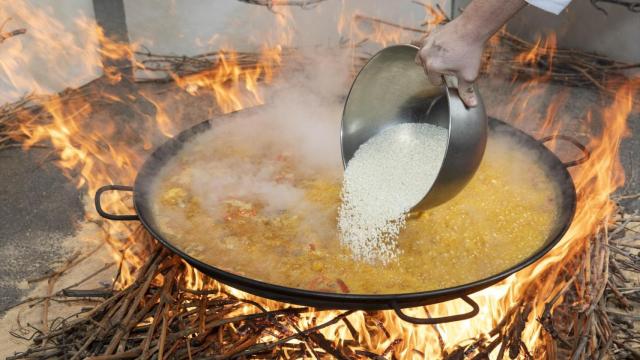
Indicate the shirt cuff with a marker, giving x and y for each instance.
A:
(552, 6)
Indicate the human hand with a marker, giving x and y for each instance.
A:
(453, 50)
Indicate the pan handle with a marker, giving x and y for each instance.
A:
(586, 153)
(105, 214)
(475, 309)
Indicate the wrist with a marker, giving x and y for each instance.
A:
(483, 18)
(469, 32)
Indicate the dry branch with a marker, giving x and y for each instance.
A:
(4, 35)
(117, 329)
(305, 4)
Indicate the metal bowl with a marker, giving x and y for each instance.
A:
(392, 89)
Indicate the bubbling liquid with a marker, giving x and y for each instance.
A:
(255, 209)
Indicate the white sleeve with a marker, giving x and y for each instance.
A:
(553, 6)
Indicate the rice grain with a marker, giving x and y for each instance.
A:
(387, 176)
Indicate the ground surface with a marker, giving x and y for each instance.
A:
(630, 156)
(39, 207)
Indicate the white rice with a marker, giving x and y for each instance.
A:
(388, 175)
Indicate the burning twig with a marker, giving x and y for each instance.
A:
(304, 4)
(174, 67)
(547, 319)
(4, 35)
(513, 339)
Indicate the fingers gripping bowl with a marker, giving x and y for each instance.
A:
(246, 228)
(390, 90)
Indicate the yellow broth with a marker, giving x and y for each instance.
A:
(281, 228)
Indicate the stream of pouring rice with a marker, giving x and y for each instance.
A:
(387, 176)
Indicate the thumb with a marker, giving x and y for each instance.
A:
(435, 78)
(467, 93)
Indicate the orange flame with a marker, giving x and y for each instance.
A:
(95, 153)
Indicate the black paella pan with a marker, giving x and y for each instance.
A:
(556, 169)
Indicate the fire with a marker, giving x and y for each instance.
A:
(93, 154)
(70, 60)
(542, 49)
(235, 85)
(230, 83)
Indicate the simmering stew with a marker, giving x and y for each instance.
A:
(254, 208)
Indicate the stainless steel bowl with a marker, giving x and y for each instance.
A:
(392, 89)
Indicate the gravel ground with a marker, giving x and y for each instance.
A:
(38, 208)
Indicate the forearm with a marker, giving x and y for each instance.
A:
(482, 18)
(456, 48)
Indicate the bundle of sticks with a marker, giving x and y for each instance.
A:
(4, 35)
(166, 68)
(160, 316)
(504, 56)
(569, 67)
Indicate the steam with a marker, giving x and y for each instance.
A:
(304, 109)
(298, 129)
